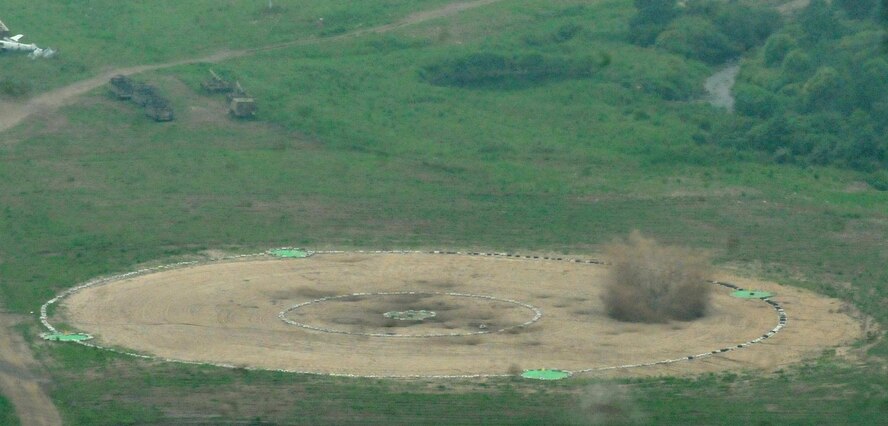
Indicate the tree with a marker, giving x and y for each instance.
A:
(655, 11)
(872, 83)
(857, 9)
(824, 89)
(752, 100)
(770, 135)
(776, 48)
(746, 26)
(866, 150)
(796, 64)
(818, 20)
(695, 37)
(651, 17)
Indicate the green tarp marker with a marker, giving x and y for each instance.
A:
(66, 337)
(296, 253)
(751, 294)
(545, 374)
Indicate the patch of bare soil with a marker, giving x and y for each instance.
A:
(228, 313)
(20, 378)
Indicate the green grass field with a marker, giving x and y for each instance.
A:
(352, 148)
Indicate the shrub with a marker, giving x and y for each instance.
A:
(709, 30)
(754, 101)
(697, 38)
(14, 88)
(776, 48)
(746, 26)
(651, 17)
(676, 80)
(872, 84)
(796, 65)
(823, 89)
(878, 180)
(857, 9)
(818, 21)
(652, 283)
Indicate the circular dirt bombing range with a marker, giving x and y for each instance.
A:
(434, 315)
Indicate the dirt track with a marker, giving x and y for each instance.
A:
(228, 313)
(20, 378)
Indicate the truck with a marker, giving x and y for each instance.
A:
(122, 87)
(240, 103)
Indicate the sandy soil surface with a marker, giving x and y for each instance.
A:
(227, 312)
(20, 378)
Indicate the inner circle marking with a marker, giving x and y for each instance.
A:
(537, 314)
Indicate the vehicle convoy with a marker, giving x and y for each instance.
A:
(144, 95)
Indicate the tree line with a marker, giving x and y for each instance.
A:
(813, 88)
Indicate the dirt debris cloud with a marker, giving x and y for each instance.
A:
(654, 283)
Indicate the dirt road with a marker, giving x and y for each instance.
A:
(20, 378)
(13, 113)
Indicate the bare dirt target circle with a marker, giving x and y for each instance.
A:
(493, 315)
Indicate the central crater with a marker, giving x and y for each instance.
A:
(411, 314)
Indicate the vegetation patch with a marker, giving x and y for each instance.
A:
(706, 30)
(816, 93)
(14, 87)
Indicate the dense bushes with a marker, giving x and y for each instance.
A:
(697, 37)
(857, 9)
(776, 48)
(651, 18)
(817, 93)
(707, 30)
(496, 70)
(754, 101)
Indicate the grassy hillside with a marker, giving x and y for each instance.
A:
(92, 35)
(355, 146)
